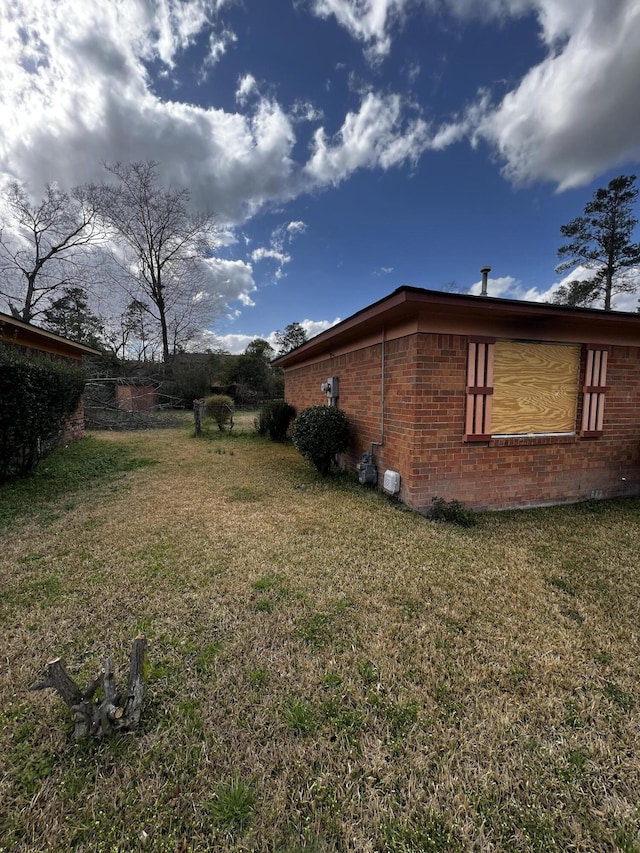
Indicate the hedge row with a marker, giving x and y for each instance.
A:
(36, 395)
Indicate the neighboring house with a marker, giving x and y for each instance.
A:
(494, 402)
(34, 342)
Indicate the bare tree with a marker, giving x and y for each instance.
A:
(42, 245)
(160, 245)
(131, 332)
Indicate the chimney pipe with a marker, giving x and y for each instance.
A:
(485, 274)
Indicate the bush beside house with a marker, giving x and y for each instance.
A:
(36, 397)
(319, 434)
(41, 395)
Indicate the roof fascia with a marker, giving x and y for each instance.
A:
(463, 310)
(36, 332)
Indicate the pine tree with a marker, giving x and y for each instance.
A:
(70, 317)
(601, 240)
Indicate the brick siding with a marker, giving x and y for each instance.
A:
(424, 419)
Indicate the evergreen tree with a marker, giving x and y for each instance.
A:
(293, 336)
(70, 317)
(601, 240)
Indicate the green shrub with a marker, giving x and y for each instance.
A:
(36, 395)
(453, 512)
(319, 433)
(274, 419)
(220, 408)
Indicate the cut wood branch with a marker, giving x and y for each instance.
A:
(101, 710)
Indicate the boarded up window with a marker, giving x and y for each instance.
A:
(534, 388)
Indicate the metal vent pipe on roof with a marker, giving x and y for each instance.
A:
(485, 275)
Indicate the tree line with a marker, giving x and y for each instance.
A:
(133, 236)
(129, 234)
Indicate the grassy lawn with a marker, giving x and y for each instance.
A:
(328, 672)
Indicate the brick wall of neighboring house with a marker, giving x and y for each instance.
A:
(74, 425)
(424, 417)
(136, 398)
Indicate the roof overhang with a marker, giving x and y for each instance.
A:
(19, 333)
(411, 310)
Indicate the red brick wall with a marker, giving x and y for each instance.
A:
(136, 398)
(424, 388)
(74, 425)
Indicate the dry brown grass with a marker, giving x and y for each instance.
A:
(327, 672)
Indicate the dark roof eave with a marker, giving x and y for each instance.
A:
(415, 295)
(29, 328)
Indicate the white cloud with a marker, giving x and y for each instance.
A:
(576, 113)
(296, 227)
(76, 90)
(376, 136)
(218, 45)
(246, 86)
(496, 287)
(305, 111)
(74, 79)
(229, 281)
(262, 254)
(314, 327)
(373, 21)
(571, 117)
(509, 287)
(366, 20)
(311, 327)
(619, 301)
(226, 236)
(236, 344)
(280, 237)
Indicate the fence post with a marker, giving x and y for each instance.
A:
(198, 414)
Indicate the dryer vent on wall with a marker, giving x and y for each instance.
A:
(391, 483)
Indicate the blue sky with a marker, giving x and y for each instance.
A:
(347, 147)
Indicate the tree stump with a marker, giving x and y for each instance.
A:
(101, 709)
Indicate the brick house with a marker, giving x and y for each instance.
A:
(32, 341)
(495, 402)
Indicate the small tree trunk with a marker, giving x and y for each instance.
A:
(115, 711)
(607, 289)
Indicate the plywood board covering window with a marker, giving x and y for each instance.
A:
(534, 388)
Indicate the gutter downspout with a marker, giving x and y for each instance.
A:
(382, 390)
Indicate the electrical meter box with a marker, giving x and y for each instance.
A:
(331, 388)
